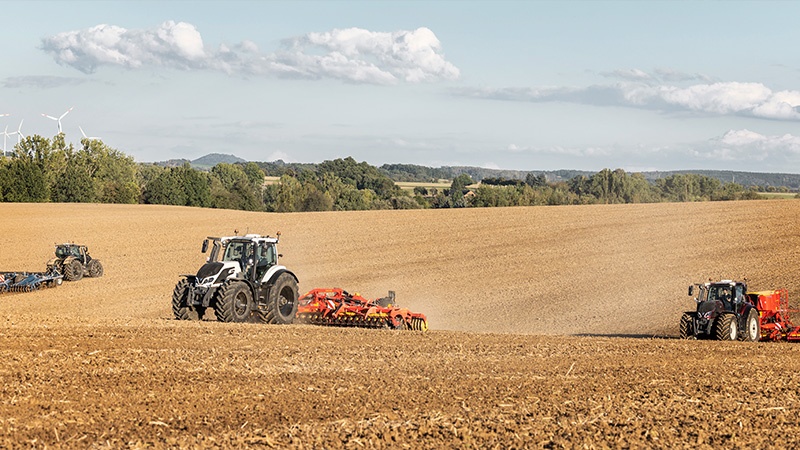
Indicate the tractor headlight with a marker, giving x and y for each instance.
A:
(208, 280)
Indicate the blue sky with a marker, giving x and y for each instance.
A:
(516, 85)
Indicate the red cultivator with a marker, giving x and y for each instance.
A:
(337, 307)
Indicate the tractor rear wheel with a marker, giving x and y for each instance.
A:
(234, 300)
(752, 330)
(282, 302)
(179, 307)
(687, 325)
(726, 328)
(73, 271)
(95, 268)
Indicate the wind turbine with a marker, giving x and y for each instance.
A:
(58, 119)
(5, 135)
(87, 137)
(19, 134)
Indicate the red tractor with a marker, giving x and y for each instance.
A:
(727, 312)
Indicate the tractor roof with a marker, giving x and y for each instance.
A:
(249, 237)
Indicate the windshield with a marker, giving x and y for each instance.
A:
(719, 293)
(238, 251)
(63, 252)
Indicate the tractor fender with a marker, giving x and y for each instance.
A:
(744, 314)
(274, 272)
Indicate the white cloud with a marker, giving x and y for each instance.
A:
(562, 151)
(279, 155)
(41, 82)
(744, 146)
(660, 74)
(353, 54)
(722, 98)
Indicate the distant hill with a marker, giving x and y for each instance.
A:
(413, 172)
(203, 162)
(212, 159)
(409, 172)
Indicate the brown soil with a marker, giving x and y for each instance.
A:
(508, 293)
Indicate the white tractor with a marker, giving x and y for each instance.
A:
(242, 281)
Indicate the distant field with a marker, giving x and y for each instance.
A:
(410, 185)
(778, 194)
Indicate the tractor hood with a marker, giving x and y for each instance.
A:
(217, 272)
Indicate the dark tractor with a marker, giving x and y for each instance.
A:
(241, 281)
(724, 312)
(73, 262)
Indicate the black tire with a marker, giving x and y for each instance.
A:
(401, 324)
(179, 307)
(234, 302)
(752, 327)
(73, 271)
(687, 325)
(726, 328)
(95, 268)
(283, 301)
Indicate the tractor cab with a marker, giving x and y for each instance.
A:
(724, 311)
(253, 254)
(70, 250)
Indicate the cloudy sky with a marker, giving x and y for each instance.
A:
(520, 85)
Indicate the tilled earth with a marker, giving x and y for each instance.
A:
(551, 327)
(144, 384)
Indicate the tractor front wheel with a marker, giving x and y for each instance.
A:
(752, 330)
(179, 307)
(687, 325)
(282, 302)
(234, 300)
(95, 268)
(726, 328)
(73, 271)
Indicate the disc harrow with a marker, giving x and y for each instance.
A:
(28, 281)
(337, 307)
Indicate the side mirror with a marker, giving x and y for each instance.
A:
(205, 245)
(691, 291)
(280, 255)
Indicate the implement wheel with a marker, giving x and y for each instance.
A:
(179, 307)
(282, 302)
(726, 328)
(752, 327)
(687, 325)
(234, 300)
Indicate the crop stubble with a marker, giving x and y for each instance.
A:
(100, 363)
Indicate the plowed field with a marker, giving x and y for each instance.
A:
(551, 327)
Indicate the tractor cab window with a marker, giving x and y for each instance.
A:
(739, 294)
(267, 255)
(238, 251)
(266, 259)
(722, 293)
(62, 252)
(76, 252)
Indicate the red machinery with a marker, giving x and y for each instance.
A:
(773, 310)
(337, 307)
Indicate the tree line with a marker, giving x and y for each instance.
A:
(49, 170)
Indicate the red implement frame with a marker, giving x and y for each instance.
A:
(773, 309)
(339, 308)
